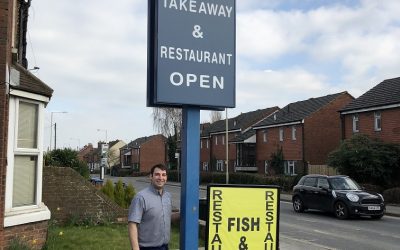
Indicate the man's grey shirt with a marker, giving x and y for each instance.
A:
(152, 212)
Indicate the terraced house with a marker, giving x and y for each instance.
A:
(305, 132)
(23, 98)
(240, 144)
(143, 153)
(376, 113)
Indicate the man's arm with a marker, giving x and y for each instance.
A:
(133, 235)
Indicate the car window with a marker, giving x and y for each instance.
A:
(323, 183)
(310, 182)
(344, 184)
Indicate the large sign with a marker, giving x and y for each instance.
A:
(242, 217)
(191, 53)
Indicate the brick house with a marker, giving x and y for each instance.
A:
(376, 113)
(144, 152)
(306, 131)
(213, 141)
(89, 155)
(23, 98)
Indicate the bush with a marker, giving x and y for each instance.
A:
(108, 189)
(367, 160)
(372, 187)
(119, 194)
(129, 194)
(392, 195)
(67, 158)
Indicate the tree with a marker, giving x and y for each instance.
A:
(66, 158)
(129, 194)
(108, 189)
(119, 194)
(367, 160)
(167, 121)
(171, 142)
(215, 116)
(277, 161)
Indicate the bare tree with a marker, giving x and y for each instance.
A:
(167, 121)
(215, 116)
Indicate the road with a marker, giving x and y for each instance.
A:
(317, 230)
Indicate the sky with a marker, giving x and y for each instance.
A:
(93, 53)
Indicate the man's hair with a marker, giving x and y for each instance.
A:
(160, 166)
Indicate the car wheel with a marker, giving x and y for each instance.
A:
(298, 205)
(341, 211)
(377, 217)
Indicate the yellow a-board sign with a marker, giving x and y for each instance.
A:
(242, 217)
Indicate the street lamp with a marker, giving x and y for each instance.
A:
(51, 124)
(105, 130)
(79, 143)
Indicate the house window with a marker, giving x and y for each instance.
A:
(23, 201)
(216, 140)
(201, 144)
(377, 121)
(266, 167)
(220, 165)
(205, 166)
(280, 134)
(223, 139)
(265, 135)
(289, 168)
(207, 143)
(293, 133)
(356, 123)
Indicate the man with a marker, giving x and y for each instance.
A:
(149, 219)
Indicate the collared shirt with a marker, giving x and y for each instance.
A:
(152, 212)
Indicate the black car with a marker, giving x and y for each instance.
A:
(338, 194)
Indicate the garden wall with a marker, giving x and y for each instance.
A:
(71, 197)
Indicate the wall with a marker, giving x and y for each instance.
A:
(205, 152)
(66, 194)
(322, 130)
(218, 151)
(33, 234)
(292, 149)
(390, 119)
(153, 152)
(5, 20)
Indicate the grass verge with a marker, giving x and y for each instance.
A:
(110, 236)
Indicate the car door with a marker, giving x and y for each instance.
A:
(309, 187)
(322, 194)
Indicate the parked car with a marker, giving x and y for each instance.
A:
(337, 194)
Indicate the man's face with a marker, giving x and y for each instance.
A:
(159, 178)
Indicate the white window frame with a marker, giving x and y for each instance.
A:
(265, 135)
(266, 166)
(281, 134)
(216, 140)
(294, 130)
(378, 121)
(223, 139)
(201, 144)
(207, 142)
(220, 165)
(356, 123)
(290, 168)
(205, 166)
(38, 211)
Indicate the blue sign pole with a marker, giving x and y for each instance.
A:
(190, 178)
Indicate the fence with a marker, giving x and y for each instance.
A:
(322, 169)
